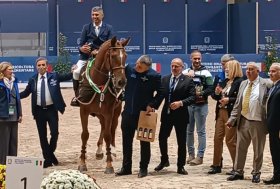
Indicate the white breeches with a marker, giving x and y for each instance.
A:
(76, 72)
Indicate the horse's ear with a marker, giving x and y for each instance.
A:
(113, 41)
(126, 41)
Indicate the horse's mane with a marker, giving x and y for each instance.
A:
(105, 44)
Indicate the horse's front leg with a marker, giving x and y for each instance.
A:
(84, 136)
(107, 137)
(99, 153)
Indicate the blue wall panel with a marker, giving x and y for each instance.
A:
(20, 18)
(242, 30)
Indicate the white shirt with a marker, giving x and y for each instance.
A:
(49, 100)
(255, 107)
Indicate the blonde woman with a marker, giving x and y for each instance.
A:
(10, 112)
(225, 94)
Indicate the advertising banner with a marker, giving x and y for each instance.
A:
(269, 28)
(207, 26)
(165, 34)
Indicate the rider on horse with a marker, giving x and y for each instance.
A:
(93, 36)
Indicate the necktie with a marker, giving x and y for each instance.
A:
(171, 89)
(172, 86)
(271, 90)
(97, 30)
(43, 92)
(246, 99)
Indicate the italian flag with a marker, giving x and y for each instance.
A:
(156, 67)
(38, 163)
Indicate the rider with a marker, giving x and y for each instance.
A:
(92, 37)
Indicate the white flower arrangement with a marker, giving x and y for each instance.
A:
(68, 179)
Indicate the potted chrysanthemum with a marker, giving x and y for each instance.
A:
(68, 179)
(2, 176)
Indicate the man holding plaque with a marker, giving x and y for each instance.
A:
(198, 111)
(179, 93)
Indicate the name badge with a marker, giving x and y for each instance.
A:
(11, 110)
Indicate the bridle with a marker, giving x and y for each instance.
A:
(114, 90)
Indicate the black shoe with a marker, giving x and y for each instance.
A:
(142, 173)
(182, 171)
(74, 102)
(214, 169)
(273, 180)
(236, 176)
(54, 160)
(47, 164)
(162, 165)
(231, 172)
(123, 171)
(256, 178)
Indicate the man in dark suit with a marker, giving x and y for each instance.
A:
(179, 93)
(273, 120)
(46, 101)
(93, 36)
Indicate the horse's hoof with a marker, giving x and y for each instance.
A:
(109, 170)
(99, 156)
(82, 168)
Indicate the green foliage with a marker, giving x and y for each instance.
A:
(63, 64)
(272, 54)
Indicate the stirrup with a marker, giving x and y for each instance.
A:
(74, 102)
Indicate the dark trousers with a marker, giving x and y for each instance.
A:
(129, 125)
(48, 115)
(164, 133)
(274, 144)
(8, 140)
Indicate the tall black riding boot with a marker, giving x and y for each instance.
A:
(74, 101)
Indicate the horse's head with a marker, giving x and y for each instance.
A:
(117, 59)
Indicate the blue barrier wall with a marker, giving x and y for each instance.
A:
(24, 67)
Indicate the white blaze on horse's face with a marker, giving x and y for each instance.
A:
(121, 56)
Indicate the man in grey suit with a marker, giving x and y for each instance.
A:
(249, 116)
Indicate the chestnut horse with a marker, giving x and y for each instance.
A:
(105, 76)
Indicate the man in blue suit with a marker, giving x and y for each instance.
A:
(46, 101)
(93, 36)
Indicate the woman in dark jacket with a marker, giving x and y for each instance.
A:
(10, 112)
(225, 94)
